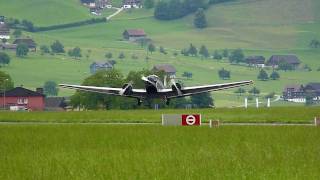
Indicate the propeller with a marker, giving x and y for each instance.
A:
(173, 82)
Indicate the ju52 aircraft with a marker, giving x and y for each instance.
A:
(154, 88)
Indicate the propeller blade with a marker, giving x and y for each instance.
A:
(175, 85)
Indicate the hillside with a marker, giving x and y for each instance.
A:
(260, 27)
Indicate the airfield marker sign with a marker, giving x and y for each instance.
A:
(181, 119)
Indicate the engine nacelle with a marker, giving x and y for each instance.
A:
(176, 88)
(127, 89)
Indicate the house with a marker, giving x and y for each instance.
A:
(127, 4)
(134, 34)
(256, 61)
(104, 4)
(28, 41)
(7, 46)
(55, 104)
(275, 60)
(294, 93)
(96, 66)
(21, 97)
(167, 68)
(4, 31)
(313, 88)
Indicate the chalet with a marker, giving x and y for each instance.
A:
(7, 46)
(28, 41)
(294, 93)
(21, 97)
(167, 68)
(127, 4)
(275, 60)
(256, 61)
(96, 66)
(104, 4)
(4, 31)
(134, 34)
(313, 88)
(55, 104)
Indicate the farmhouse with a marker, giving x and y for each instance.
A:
(21, 97)
(4, 31)
(134, 34)
(7, 46)
(96, 66)
(167, 68)
(275, 60)
(55, 104)
(313, 88)
(127, 4)
(28, 41)
(294, 93)
(256, 61)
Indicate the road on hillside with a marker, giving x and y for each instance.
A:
(114, 14)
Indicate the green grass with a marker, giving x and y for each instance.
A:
(279, 114)
(154, 152)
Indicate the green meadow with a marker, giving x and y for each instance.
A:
(264, 27)
(262, 115)
(154, 152)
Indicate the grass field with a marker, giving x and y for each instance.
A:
(279, 114)
(154, 152)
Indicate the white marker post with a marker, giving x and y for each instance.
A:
(257, 102)
(268, 104)
(246, 103)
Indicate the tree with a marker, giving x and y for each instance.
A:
(263, 75)
(203, 100)
(216, 55)
(151, 48)
(57, 47)
(148, 4)
(108, 55)
(314, 43)
(283, 65)
(17, 33)
(22, 50)
(121, 56)
(162, 50)
(310, 98)
(240, 91)
(254, 91)
(50, 88)
(204, 52)
(225, 53)
(270, 95)
(75, 52)
(44, 49)
(28, 25)
(192, 50)
(188, 75)
(236, 56)
(4, 59)
(200, 20)
(6, 82)
(224, 74)
(274, 75)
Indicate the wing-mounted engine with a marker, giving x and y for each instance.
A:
(176, 87)
(126, 89)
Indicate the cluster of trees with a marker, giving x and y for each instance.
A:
(17, 24)
(6, 82)
(4, 59)
(50, 88)
(263, 75)
(224, 74)
(114, 78)
(174, 9)
(58, 48)
(187, 74)
(241, 91)
(314, 43)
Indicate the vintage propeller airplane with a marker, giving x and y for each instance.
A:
(154, 88)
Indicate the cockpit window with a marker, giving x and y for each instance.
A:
(153, 78)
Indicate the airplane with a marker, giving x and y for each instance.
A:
(154, 88)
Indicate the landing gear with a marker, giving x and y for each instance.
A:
(167, 102)
(139, 102)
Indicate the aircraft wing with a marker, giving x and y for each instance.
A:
(188, 91)
(136, 93)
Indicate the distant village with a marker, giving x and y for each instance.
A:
(96, 6)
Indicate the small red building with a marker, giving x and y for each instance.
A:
(22, 97)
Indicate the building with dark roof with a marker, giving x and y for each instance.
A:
(256, 61)
(55, 104)
(314, 89)
(134, 34)
(167, 68)
(7, 46)
(22, 97)
(4, 31)
(28, 41)
(294, 93)
(96, 66)
(127, 4)
(275, 60)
